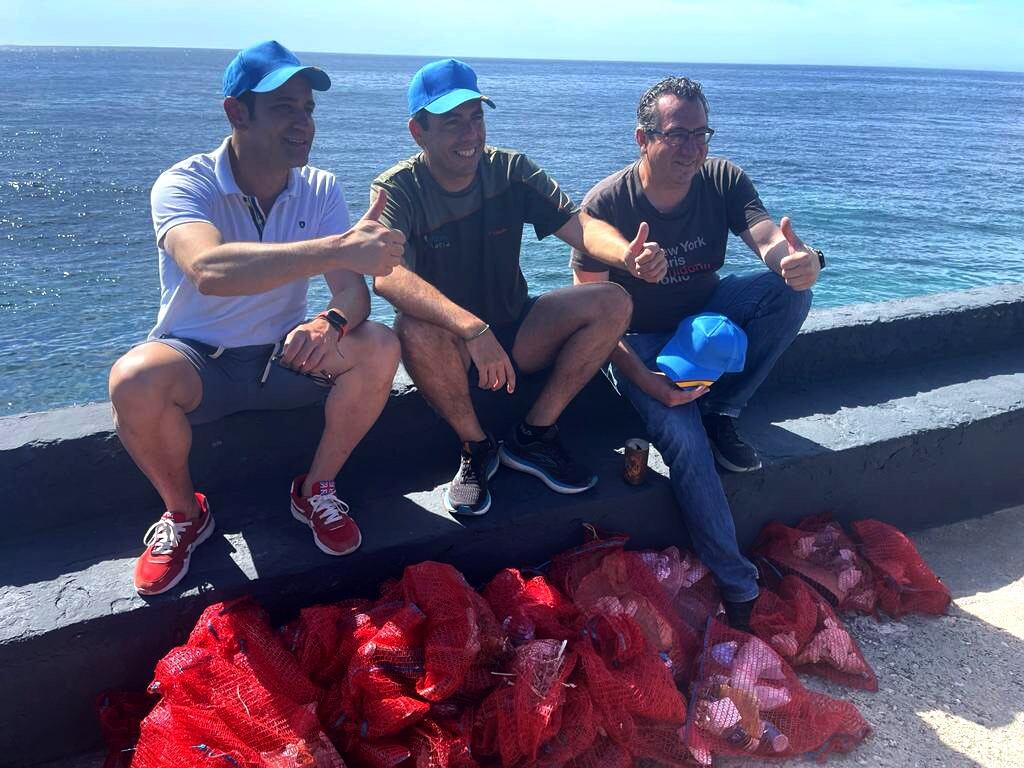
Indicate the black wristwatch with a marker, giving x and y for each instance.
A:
(821, 257)
(336, 320)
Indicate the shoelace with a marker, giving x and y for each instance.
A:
(470, 471)
(330, 508)
(165, 535)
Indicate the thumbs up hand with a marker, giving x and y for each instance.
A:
(643, 259)
(800, 267)
(372, 248)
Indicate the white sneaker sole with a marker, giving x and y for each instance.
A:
(297, 514)
(513, 463)
(203, 536)
(726, 464)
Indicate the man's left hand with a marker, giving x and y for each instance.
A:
(307, 345)
(800, 268)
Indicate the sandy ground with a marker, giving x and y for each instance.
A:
(951, 689)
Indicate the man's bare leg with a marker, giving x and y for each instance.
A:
(365, 369)
(575, 328)
(437, 361)
(152, 387)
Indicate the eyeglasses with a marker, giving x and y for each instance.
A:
(680, 136)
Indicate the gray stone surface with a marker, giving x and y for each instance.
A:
(918, 438)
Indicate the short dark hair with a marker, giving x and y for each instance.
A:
(249, 99)
(421, 118)
(682, 87)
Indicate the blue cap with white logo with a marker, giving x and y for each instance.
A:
(441, 86)
(267, 66)
(703, 348)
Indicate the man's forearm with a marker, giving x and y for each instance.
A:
(632, 367)
(410, 294)
(604, 242)
(353, 301)
(245, 268)
(774, 254)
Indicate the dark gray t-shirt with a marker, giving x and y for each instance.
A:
(467, 244)
(721, 199)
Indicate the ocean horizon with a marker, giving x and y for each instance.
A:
(908, 179)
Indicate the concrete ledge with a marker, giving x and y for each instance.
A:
(917, 439)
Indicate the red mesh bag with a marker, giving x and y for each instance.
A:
(747, 701)
(578, 730)
(120, 714)
(802, 627)
(569, 567)
(459, 626)
(315, 638)
(624, 583)
(233, 692)
(905, 584)
(626, 679)
(440, 745)
(818, 550)
(529, 609)
(519, 716)
(604, 753)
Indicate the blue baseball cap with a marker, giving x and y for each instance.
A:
(266, 66)
(441, 86)
(703, 348)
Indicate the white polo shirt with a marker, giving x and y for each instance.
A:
(203, 188)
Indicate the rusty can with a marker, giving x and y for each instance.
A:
(636, 453)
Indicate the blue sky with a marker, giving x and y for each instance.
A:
(988, 34)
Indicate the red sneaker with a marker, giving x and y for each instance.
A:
(169, 544)
(333, 530)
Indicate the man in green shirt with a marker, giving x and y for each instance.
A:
(461, 297)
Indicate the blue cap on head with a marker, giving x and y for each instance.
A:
(703, 348)
(441, 86)
(266, 66)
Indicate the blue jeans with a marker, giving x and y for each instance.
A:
(771, 314)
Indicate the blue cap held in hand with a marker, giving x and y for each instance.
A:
(267, 66)
(703, 348)
(441, 86)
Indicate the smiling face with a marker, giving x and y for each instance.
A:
(452, 144)
(279, 129)
(674, 166)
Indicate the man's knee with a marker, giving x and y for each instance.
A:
(381, 347)
(615, 304)
(143, 379)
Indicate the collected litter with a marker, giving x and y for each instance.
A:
(610, 657)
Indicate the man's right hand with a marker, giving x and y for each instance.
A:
(668, 394)
(492, 362)
(645, 260)
(370, 247)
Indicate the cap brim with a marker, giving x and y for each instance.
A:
(450, 101)
(318, 79)
(678, 369)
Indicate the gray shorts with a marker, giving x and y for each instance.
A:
(245, 379)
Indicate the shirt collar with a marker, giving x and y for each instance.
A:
(226, 177)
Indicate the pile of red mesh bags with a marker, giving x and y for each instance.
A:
(801, 626)
(233, 695)
(747, 701)
(583, 667)
(820, 551)
(904, 583)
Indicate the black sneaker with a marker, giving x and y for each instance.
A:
(545, 457)
(738, 614)
(467, 493)
(730, 451)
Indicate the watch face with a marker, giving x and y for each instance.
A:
(335, 318)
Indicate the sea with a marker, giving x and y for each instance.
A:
(911, 181)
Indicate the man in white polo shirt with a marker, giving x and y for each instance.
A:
(239, 231)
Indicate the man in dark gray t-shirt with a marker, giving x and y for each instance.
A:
(679, 204)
